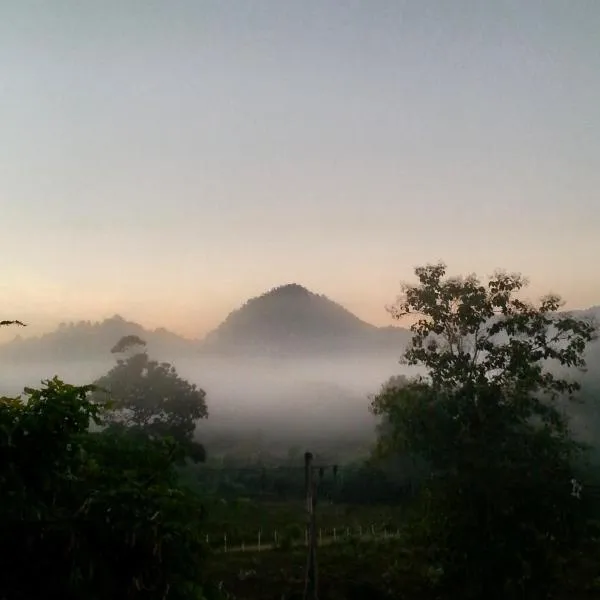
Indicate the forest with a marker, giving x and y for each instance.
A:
(480, 477)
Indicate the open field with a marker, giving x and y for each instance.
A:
(376, 569)
(372, 565)
(353, 570)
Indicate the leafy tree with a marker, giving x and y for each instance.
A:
(150, 395)
(126, 343)
(498, 508)
(91, 515)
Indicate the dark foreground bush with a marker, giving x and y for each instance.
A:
(92, 515)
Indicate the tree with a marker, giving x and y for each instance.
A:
(149, 395)
(497, 508)
(91, 515)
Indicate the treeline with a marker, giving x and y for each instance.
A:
(355, 483)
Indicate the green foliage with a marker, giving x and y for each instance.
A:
(91, 515)
(149, 395)
(498, 509)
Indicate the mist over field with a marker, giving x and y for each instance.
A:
(281, 400)
(288, 369)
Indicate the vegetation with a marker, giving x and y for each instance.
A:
(350, 571)
(498, 512)
(473, 489)
(150, 396)
(91, 514)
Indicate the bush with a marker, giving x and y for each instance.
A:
(91, 515)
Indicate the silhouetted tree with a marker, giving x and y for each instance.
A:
(150, 395)
(498, 510)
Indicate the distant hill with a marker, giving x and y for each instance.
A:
(284, 322)
(290, 320)
(85, 341)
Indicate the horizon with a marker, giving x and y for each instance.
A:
(28, 332)
(168, 162)
(10, 333)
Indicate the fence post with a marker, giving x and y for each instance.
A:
(334, 535)
(347, 532)
(259, 540)
(225, 542)
(243, 547)
(320, 536)
(275, 537)
(310, 583)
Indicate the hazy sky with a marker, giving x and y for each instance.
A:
(168, 159)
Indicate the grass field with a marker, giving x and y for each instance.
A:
(360, 570)
(367, 567)
(346, 571)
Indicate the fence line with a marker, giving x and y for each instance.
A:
(326, 536)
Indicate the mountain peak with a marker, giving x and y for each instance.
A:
(289, 289)
(291, 319)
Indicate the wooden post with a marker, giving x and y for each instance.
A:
(225, 542)
(259, 540)
(310, 587)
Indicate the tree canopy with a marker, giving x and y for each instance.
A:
(97, 514)
(150, 395)
(484, 418)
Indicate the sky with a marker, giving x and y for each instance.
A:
(168, 160)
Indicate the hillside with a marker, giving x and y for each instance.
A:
(288, 321)
(291, 320)
(85, 341)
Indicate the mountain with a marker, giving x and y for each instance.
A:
(287, 321)
(290, 320)
(92, 341)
